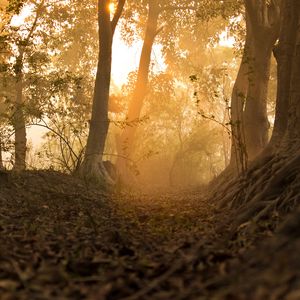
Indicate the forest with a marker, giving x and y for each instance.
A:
(150, 149)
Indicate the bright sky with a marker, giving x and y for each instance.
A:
(126, 59)
(226, 40)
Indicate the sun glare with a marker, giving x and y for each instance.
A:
(112, 7)
(19, 19)
(226, 40)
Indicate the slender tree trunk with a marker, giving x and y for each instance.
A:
(92, 167)
(19, 122)
(19, 119)
(99, 121)
(178, 155)
(225, 148)
(1, 157)
(126, 139)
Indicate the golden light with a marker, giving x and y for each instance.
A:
(3, 4)
(112, 7)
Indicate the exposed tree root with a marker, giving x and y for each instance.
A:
(96, 173)
(270, 184)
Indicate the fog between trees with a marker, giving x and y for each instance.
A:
(211, 109)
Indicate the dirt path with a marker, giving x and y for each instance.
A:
(62, 240)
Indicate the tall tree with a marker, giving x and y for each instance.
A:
(179, 14)
(238, 158)
(92, 167)
(29, 44)
(283, 53)
(249, 120)
(19, 118)
(125, 141)
(263, 23)
(272, 179)
(7, 10)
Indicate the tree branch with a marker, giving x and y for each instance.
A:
(117, 15)
(159, 30)
(34, 23)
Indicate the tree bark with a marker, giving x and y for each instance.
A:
(19, 118)
(283, 53)
(293, 128)
(255, 115)
(19, 121)
(272, 181)
(277, 177)
(1, 157)
(126, 140)
(263, 24)
(238, 158)
(92, 167)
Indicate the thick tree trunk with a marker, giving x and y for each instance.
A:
(283, 53)
(255, 115)
(272, 181)
(293, 128)
(19, 119)
(126, 140)
(278, 184)
(263, 24)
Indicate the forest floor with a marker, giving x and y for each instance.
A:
(60, 239)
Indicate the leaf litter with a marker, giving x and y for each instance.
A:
(62, 239)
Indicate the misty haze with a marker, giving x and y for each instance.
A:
(149, 149)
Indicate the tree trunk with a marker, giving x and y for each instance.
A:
(255, 115)
(1, 157)
(293, 127)
(99, 121)
(126, 139)
(92, 168)
(19, 119)
(272, 181)
(238, 158)
(279, 176)
(283, 53)
(249, 120)
(263, 24)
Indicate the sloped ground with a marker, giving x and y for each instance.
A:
(61, 239)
